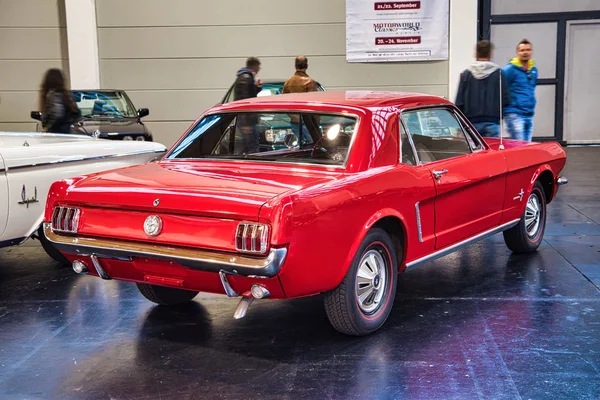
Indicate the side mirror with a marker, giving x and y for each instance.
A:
(142, 112)
(36, 115)
(290, 141)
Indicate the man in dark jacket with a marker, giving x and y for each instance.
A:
(521, 76)
(478, 94)
(246, 87)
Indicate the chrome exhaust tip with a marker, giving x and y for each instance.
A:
(259, 292)
(562, 181)
(79, 267)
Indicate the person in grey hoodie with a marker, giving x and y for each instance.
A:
(478, 95)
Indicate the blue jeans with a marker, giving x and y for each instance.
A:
(487, 129)
(250, 140)
(305, 135)
(519, 127)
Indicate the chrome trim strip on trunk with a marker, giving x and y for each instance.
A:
(204, 260)
(72, 160)
(462, 244)
(419, 230)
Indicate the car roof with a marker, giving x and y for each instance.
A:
(341, 98)
(279, 82)
(97, 90)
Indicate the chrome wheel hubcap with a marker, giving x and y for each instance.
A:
(533, 215)
(371, 281)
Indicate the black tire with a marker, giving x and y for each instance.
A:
(524, 239)
(51, 250)
(342, 303)
(165, 296)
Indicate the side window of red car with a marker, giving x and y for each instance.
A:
(436, 134)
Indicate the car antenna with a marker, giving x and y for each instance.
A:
(501, 147)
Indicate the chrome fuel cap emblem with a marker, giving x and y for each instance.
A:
(153, 225)
(156, 202)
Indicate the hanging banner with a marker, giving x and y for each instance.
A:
(380, 31)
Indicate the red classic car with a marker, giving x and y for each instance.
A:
(366, 186)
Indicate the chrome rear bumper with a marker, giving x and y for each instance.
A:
(263, 267)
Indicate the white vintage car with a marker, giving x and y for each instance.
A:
(31, 162)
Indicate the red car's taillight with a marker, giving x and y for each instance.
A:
(65, 219)
(252, 238)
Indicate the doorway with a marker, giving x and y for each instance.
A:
(582, 120)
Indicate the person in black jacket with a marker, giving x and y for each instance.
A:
(478, 95)
(59, 110)
(246, 87)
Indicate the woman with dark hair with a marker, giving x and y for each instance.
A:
(59, 110)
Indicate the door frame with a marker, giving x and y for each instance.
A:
(567, 77)
(487, 19)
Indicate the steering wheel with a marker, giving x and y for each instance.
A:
(333, 149)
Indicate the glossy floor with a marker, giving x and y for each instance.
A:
(478, 324)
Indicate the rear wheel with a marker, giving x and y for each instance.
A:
(362, 302)
(527, 235)
(164, 295)
(50, 249)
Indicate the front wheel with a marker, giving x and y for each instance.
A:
(164, 295)
(527, 235)
(362, 302)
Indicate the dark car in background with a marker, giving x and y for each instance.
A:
(107, 114)
(269, 88)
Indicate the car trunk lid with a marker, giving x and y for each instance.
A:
(224, 190)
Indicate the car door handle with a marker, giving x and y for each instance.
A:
(438, 174)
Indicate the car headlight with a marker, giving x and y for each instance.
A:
(277, 135)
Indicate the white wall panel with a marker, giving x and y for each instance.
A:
(175, 105)
(223, 12)
(82, 37)
(542, 6)
(31, 13)
(463, 38)
(181, 59)
(32, 39)
(25, 74)
(543, 121)
(220, 73)
(222, 41)
(16, 106)
(32, 43)
(582, 119)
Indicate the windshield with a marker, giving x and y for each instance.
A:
(103, 103)
(267, 136)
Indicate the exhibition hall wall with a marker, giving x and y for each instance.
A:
(32, 39)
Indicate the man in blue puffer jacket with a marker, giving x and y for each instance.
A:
(521, 76)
